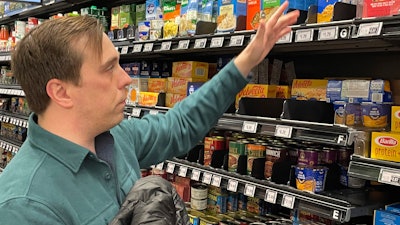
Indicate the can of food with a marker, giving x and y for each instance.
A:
(198, 204)
(328, 155)
(308, 157)
(254, 151)
(198, 191)
(273, 154)
(343, 155)
(310, 178)
(207, 150)
(236, 149)
(218, 151)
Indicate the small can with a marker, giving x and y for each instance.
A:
(308, 157)
(207, 150)
(254, 151)
(236, 149)
(328, 155)
(343, 156)
(199, 191)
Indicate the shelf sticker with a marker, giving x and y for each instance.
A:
(249, 127)
(369, 29)
(216, 181)
(195, 175)
(207, 178)
(137, 48)
(25, 124)
(200, 43)
(389, 177)
(3, 58)
(153, 112)
(170, 168)
(283, 131)
(336, 214)
(182, 171)
(287, 38)
(288, 201)
(270, 196)
(217, 42)
(160, 166)
(328, 33)
(232, 185)
(304, 35)
(116, 49)
(166, 46)
(249, 190)
(148, 47)
(183, 44)
(8, 57)
(236, 41)
(124, 50)
(136, 112)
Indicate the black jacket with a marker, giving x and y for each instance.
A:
(152, 200)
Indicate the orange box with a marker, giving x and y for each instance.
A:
(190, 69)
(171, 99)
(157, 85)
(178, 85)
(253, 14)
(282, 91)
(148, 98)
(385, 146)
(256, 91)
(309, 89)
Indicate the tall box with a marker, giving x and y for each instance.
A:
(231, 15)
(256, 91)
(385, 146)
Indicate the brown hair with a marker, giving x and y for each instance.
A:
(48, 51)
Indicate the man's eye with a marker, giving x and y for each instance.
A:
(110, 67)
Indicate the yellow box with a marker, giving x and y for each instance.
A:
(256, 91)
(178, 85)
(395, 118)
(385, 146)
(157, 85)
(282, 91)
(309, 89)
(171, 99)
(148, 98)
(190, 69)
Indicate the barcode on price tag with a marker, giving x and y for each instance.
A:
(270, 196)
(166, 45)
(249, 127)
(283, 131)
(183, 44)
(148, 47)
(195, 175)
(136, 112)
(124, 49)
(288, 201)
(236, 41)
(389, 177)
(328, 33)
(232, 185)
(304, 35)
(182, 171)
(200, 43)
(137, 48)
(369, 29)
(216, 181)
(249, 190)
(170, 168)
(207, 178)
(217, 42)
(287, 38)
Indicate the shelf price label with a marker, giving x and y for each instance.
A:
(288, 201)
(232, 185)
(207, 178)
(216, 181)
(136, 112)
(153, 112)
(200, 43)
(217, 42)
(195, 175)
(166, 46)
(249, 127)
(252, 36)
(389, 177)
(148, 47)
(369, 29)
(287, 38)
(3, 58)
(249, 190)
(182, 171)
(283, 131)
(124, 49)
(137, 48)
(270, 196)
(236, 41)
(328, 33)
(304, 35)
(116, 49)
(183, 44)
(170, 168)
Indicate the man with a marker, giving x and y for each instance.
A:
(81, 158)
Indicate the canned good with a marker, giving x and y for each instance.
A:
(273, 154)
(308, 157)
(254, 152)
(199, 191)
(310, 178)
(236, 149)
(218, 151)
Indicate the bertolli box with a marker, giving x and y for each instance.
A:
(385, 146)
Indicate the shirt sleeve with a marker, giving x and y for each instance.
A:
(162, 136)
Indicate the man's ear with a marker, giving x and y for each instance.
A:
(57, 90)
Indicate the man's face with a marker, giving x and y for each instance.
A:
(101, 92)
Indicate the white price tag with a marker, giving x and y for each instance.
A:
(195, 175)
(2, 91)
(170, 168)
(148, 47)
(283, 131)
(389, 177)
(216, 181)
(304, 35)
(236, 41)
(25, 124)
(165, 46)
(153, 112)
(3, 58)
(328, 33)
(137, 48)
(9, 91)
(232, 185)
(200, 43)
(183, 44)
(249, 190)
(116, 49)
(287, 38)
(369, 29)
(124, 49)
(22, 93)
(249, 127)
(8, 57)
(270, 196)
(288, 201)
(217, 42)
(14, 92)
(160, 166)
(207, 178)
(182, 171)
(136, 112)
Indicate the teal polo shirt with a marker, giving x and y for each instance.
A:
(54, 181)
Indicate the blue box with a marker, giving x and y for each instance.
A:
(383, 217)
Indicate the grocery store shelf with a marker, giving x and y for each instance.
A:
(10, 145)
(340, 205)
(375, 170)
(11, 89)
